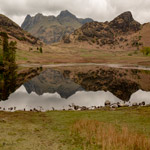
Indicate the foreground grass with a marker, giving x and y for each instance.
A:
(97, 135)
(69, 130)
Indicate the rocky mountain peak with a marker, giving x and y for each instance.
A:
(51, 29)
(26, 21)
(31, 20)
(28, 17)
(66, 13)
(39, 15)
(126, 16)
(37, 18)
(125, 22)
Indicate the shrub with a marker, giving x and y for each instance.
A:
(135, 52)
(146, 51)
(30, 49)
(129, 54)
(41, 50)
(140, 37)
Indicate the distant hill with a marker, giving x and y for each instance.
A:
(51, 29)
(123, 32)
(15, 32)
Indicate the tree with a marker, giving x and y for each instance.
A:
(12, 49)
(5, 46)
(8, 73)
(9, 49)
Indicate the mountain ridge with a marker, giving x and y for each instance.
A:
(123, 32)
(51, 29)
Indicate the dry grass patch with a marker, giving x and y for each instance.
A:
(97, 135)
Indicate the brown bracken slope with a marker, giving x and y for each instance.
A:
(122, 33)
(15, 32)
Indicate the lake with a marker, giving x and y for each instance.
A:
(58, 87)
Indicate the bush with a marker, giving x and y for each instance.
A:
(146, 51)
(135, 52)
(30, 48)
(129, 54)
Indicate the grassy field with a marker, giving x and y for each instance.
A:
(120, 129)
(74, 54)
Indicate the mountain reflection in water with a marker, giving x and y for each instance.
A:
(21, 99)
(83, 85)
(66, 81)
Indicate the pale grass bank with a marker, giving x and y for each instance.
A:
(104, 136)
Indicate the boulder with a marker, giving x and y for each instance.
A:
(84, 108)
(107, 103)
(114, 106)
(143, 103)
(76, 107)
(122, 104)
(134, 104)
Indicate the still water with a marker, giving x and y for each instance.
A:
(58, 87)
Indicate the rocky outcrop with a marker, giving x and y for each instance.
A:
(125, 23)
(51, 29)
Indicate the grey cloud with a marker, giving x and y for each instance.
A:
(100, 10)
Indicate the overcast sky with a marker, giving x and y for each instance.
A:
(100, 10)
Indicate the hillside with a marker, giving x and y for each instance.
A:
(82, 51)
(51, 29)
(121, 33)
(15, 32)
